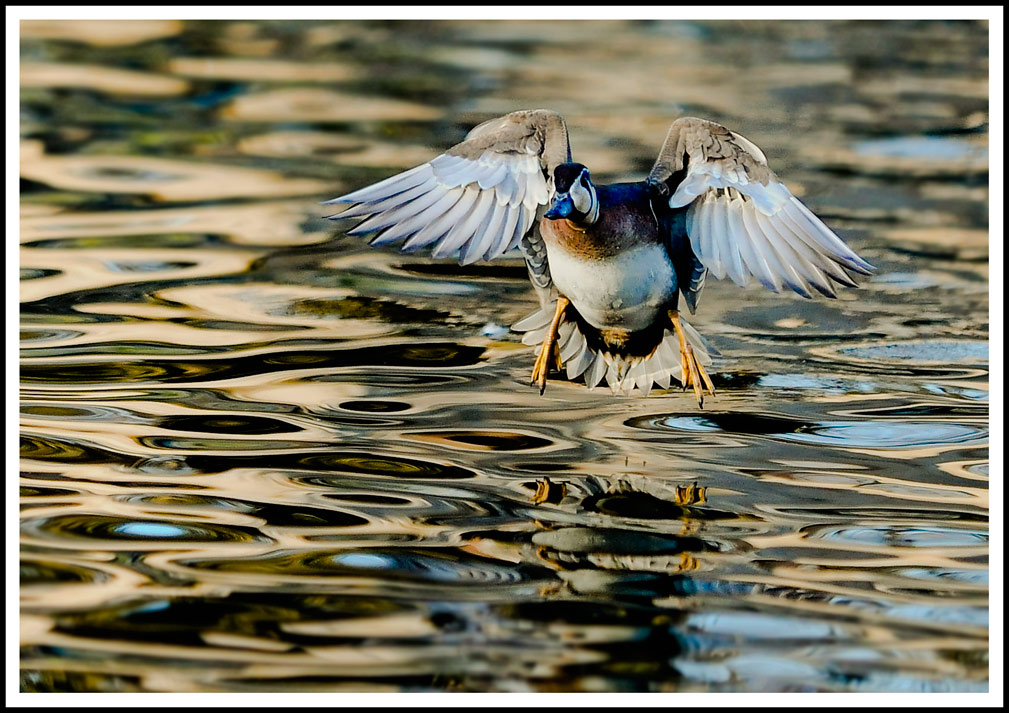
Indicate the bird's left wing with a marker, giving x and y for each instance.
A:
(742, 220)
(475, 201)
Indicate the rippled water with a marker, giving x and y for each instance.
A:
(260, 456)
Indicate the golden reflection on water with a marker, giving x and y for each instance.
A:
(258, 446)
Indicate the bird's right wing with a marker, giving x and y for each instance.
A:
(475, 201)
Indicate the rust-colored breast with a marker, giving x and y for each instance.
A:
(620, 226)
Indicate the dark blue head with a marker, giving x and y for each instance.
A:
(574, 195)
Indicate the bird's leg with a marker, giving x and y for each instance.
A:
(693, 373)
(549, 351)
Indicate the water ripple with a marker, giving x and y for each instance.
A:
(258, 455)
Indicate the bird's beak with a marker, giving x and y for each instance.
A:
(560, 208)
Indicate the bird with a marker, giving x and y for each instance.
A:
(610, 262)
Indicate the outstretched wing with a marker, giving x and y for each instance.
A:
(475, 201)
(742, 220)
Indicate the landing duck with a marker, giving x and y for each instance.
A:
(609, 263)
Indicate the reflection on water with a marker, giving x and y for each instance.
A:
(258, 458)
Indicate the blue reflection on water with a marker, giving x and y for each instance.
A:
(157, 530)
(364, 560)
(888, 434)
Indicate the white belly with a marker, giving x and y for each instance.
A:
(626, 291)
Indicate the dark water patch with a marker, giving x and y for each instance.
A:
(65, 305)
(467, 272)
(430, 565)
(144, 241)
(734, 379)
(177, 622)
(648, 507)
(799, 339)
(60, 450)
(967, 177)
(368, 308)
(238, 424)
(407, 356)
(47, 335)
(275, 515)
(770, 557)
(939, 252)
(584, 540)
(401, 355)
(25, 507)
(393, 379)
(230, 326)
(141, 533)
(184, 619)
(482, 440)
(83, 201)
(725, 421)
(60, 412)
(377, 680)
(196, 398)
(114, 373)
(369, 499)
(44, 680)
(335, 461)
(123, 348)
(35, 573)
(937, 411)
(397, 467)
(375, 406)
(587, 613)
(835, 512)
(28, 273)
(38, 491)
(239, 445)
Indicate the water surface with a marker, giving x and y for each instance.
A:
(258, 455)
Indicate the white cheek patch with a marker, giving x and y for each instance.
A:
(581, 198)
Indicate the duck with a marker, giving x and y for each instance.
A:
(610, 263)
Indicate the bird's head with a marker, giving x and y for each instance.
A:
(574, 195)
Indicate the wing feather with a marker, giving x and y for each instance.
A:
(439, 227)
(465, 228)
(485, 235)
(742, 220)
(477, 200)
(734, 213)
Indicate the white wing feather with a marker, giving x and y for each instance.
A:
(474, 209)
(740, 227)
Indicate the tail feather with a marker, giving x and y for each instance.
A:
(623, 374)
(596, 371)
